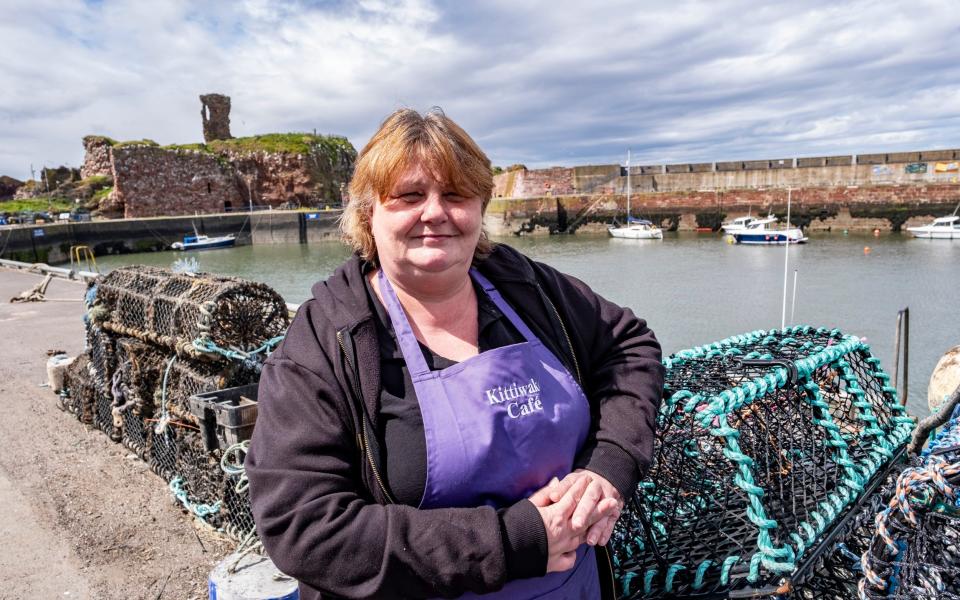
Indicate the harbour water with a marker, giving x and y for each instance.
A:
(694, 288)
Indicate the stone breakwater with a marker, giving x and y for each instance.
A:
(885, 191)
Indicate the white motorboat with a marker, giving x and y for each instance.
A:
(757, 233)
(737, 225)
(635, 229)
(944, 228)
(203, 242)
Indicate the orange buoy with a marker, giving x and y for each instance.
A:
(866, 249)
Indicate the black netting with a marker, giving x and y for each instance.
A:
(764, 442)
(914, 551)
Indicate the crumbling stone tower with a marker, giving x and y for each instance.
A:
(216, 117)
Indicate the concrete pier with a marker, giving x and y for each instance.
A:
(51, 243)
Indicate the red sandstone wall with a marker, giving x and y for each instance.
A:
(273, 178)
(556, 181)
(150, 182)
(96, 160)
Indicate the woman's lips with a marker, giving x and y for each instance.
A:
(433, 236)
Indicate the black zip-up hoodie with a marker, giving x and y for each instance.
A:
(320, 505)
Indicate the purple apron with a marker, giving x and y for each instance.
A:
(498, 427)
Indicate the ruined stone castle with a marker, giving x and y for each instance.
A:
(222, 174)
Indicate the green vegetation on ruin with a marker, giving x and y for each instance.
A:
(53, 205)
(96, 181)
(280, 143)
(101, 194)
(283, 143)
(275, 143)
(130, 143)
(99, 138)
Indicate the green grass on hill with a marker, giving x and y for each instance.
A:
(53, 205)
(284, 143)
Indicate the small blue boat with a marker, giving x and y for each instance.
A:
(203, 242)
(757, 234)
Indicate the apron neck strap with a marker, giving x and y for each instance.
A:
(505, 308)
(407, 341)
(410, 347)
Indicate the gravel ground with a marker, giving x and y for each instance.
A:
(82, 517)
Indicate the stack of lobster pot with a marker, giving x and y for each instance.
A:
(156, 339)
(771, 454)
(915, 548)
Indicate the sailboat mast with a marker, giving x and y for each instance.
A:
(628, 187)
(786, 261)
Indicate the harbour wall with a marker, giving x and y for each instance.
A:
(866, 191)
(867, 207)
(51, 243)
(900, 168)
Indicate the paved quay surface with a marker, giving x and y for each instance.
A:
(82, 517)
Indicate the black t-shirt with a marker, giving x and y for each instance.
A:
(401, 423)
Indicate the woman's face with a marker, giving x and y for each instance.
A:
(424, 225)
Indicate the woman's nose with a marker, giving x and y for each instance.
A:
(434, 208)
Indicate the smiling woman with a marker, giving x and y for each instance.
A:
(447, 417)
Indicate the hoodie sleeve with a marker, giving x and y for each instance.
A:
(317, 520)
(619, 361)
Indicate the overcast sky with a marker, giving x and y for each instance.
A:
(540, 83)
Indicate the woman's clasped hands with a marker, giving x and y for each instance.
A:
(581, 508)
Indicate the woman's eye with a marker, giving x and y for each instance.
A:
(410, 196)
(452, 196)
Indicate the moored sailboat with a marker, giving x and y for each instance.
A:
(635, 229)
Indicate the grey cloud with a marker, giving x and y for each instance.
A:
(541, 83)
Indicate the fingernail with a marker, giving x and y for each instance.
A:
(554, 481)
(592, 540)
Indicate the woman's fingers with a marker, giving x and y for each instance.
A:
(560, 488)
(583, 516)
(568, 503)
(608, 511)
(541, 497)
(605, 536)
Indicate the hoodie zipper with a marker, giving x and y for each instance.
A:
(363, 435)
(573, 355)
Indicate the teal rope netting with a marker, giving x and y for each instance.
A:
(764, 440)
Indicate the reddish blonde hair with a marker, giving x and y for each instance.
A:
(406, 137)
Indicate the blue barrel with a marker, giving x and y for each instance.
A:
(251, 577)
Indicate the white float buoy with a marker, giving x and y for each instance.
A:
(944, 379)
(56, 367)
(250, 577)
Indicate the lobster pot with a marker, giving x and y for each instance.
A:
(173, 310)
(237, 515)
(189, 378)
(766, 444)
(100, 348)
(915, 548)
(138, 375)
(178, 451)
(79, 391)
